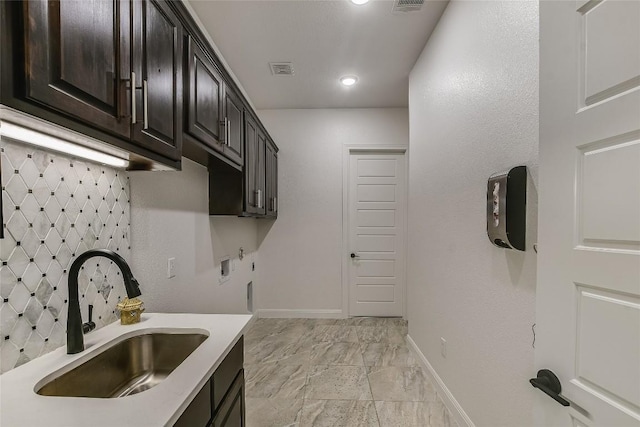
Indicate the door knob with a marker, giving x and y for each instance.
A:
(550, 384)
(353, 255)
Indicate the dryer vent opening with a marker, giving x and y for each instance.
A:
(250, 297)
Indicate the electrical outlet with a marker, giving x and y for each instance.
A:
(171, 268)
(443, 347)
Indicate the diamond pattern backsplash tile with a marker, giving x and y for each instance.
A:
(55, 208)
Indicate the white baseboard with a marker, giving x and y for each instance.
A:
(296, 314)
(450, 402)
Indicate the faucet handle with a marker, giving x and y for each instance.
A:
(90, 325)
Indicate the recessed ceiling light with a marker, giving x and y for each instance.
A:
(349, 80)
(359, 2)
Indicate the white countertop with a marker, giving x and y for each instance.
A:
(163, 404)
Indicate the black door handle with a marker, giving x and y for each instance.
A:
(354, 255)
(550, 384)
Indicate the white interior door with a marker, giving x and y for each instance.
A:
(588, 295)
(377, 206)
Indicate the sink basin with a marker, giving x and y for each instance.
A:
(132, 366)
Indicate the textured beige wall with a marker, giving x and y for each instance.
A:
(301, 252)
(473, 104)
(170, 218)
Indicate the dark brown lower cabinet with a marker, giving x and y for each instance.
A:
(231, 411)
(198, 413)
(220, 403)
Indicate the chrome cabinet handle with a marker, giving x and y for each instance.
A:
(133, 98)
(145, 105)
(275, 204)
(258, 199)
(226, 124)
(223, 131)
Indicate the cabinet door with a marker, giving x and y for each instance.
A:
(271, 178)
(204, 103)
(268, 165)
(76, 71)
(198, 413)
(250, 165)
(227, 373)
(234, 120)
(158, 67)
(261, 197)
(232, 411)
(274, 184)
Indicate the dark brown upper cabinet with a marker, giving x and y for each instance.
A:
(109, 69)
(139, 75)
(77, 63)
(257, 196)
(214, 110)
(271, 179)
(157, 64)
(261, 200)
(234, 128)
(204, 98)
(254, 194)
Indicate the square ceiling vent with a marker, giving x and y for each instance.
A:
(281, 68)
(407, 5)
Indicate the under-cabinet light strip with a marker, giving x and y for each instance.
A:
(48, 142)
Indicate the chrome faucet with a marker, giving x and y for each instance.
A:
(75, 339)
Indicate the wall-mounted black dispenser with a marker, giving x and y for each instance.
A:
(507, 208)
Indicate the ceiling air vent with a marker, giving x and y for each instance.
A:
(281, 68)
(407, 5)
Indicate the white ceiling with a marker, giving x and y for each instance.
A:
(324, 39)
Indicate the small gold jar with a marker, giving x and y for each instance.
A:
(130, 311)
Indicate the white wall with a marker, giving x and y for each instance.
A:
(301, 252)
(170, 218)
(473, 102)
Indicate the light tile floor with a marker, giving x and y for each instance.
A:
(337, 372)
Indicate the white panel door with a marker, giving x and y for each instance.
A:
(377, 187)
(588, 295)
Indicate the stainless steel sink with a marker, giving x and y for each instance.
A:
(129, 367)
